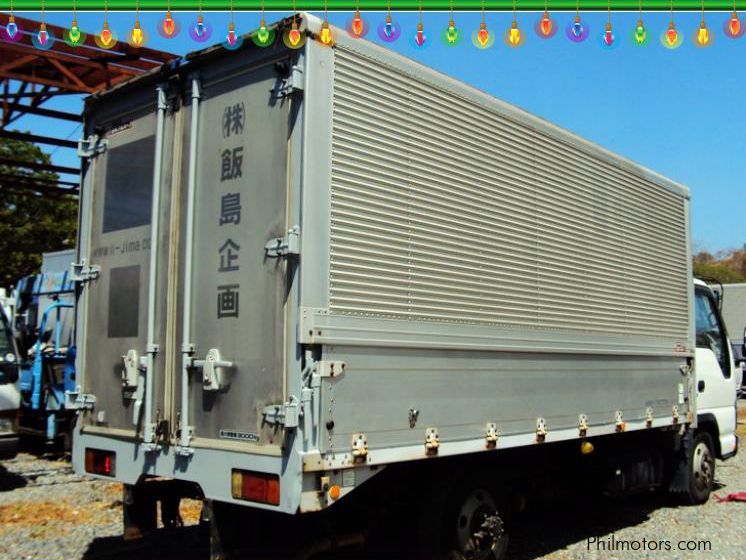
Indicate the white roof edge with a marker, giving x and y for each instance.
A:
(458, 87)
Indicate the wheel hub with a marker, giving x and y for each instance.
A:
(478, 526)
(702, 465)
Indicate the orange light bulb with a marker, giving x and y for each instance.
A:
(231, 38)
(672, 36)
(546, 25)
(105, 34)
(294, 35)
(357, 24)
(483, 36)
(169, 25)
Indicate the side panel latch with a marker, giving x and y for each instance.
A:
(287, 414)
(284, 246)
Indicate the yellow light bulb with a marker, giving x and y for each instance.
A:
(703, 35)
(326, 34)
(514, 35)
(136, 36)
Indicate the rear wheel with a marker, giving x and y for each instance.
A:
(473, 528)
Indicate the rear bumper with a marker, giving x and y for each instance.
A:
(209, 468)
(8, 446)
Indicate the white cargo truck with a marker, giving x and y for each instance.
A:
(318, 279)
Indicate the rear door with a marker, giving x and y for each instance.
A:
(120, 242)
(238, 294)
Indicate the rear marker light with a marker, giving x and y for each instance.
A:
(100, 462)
(255, 487)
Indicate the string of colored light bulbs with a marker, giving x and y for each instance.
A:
(357, 27)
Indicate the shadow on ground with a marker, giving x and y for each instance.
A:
(10, 480)
(186, 543)
(534, 535)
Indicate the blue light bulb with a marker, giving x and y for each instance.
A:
(199, 29)
(577, 28)
(11, 29)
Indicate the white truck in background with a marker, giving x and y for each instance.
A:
(316, 283)
(10, 397)
(733, 308)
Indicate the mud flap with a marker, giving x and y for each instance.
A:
(680, 478)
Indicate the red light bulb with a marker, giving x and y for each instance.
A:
(231, 38)
(357, 24)
(545, 25)
(734, 25)
(169, 25)
(608, 36)
(43, 35)
(420, 38)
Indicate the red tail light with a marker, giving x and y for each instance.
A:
(256, 487)
(100, 462)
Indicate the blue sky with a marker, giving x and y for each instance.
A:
(681, 112)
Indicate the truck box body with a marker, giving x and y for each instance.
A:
(465, 272)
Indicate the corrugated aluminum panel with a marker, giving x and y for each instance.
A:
(445, 210)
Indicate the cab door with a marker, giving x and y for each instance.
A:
(715, 371)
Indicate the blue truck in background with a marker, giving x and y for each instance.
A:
(43, 328)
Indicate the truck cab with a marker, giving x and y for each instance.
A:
(716, 376)
(9, 394)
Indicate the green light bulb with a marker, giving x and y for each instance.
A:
(452, 33)
(640, 33)
(74, 32)
(263, 33)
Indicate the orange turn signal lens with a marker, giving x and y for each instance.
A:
(255, 487)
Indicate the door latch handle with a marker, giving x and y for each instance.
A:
(212, 370)
(701, 386)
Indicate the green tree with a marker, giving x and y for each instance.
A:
(728, 267)
(30, 223)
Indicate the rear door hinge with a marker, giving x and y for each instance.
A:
(92, 146)
(83, 272)
(75, 400)
(284, 246)
(287, 414)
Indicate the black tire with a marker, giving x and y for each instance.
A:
(471, 527)
(701, 462)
